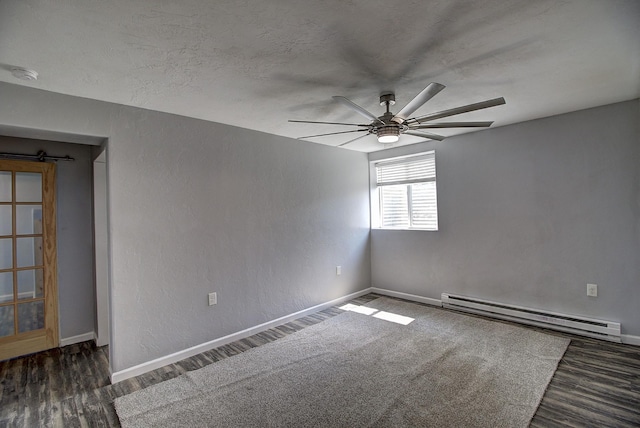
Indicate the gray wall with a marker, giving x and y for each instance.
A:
(74, 231)
(529, 214)
(196, 207)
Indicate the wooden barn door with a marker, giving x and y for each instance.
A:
(28, 289)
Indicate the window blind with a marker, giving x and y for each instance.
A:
(424, 206)
(410, 170)
(407, 192)
(395, 207)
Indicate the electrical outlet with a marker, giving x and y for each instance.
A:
(338, 270)
(213, 299)
(592, 290)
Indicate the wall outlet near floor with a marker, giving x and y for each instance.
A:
(592, 290)
(338, 270)
(213, 299)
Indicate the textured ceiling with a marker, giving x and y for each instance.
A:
(256, 63)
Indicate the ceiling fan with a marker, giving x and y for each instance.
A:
(389, 126)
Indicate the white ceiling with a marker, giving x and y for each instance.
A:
(257, 63)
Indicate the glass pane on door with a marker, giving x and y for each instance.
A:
(6, 253)
(6, 287)
(29, 252)
(30, 284)
(6, 320)
(28, 187)
(6, 220)
(5, 186)
(30, 316)
(28, 219)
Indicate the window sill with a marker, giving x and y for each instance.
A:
(404, 229)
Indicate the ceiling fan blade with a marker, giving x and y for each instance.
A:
(327, 123)
(458, 110)
(333, 133)
(351, 141)
(428, 135)
(425, 95)
(355, 107)
(453, 125)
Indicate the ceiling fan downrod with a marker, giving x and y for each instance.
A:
(390, 131)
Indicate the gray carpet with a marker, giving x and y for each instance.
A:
(354, 370)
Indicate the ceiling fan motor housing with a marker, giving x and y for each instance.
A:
(388, 133)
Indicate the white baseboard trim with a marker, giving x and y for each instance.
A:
(406, 296)
(77, 339)
(627, 339)
(198, 349)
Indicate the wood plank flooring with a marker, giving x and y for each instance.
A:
(597, 383)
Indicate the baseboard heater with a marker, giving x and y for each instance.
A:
(599, 329)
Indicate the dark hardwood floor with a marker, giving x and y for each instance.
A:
(597, 383)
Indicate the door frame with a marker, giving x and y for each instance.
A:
(101, 248)
(100, 144)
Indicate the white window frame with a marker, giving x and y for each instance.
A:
(376, 208)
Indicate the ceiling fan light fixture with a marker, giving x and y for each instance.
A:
(388, 134)
(388, 139)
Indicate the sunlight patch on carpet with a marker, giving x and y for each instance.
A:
(387, 316)
(396, 318)
(359, 309)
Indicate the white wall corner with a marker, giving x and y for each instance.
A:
(198, 349)
(77, 339)
(406, 296)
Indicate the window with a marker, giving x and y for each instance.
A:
(406, 191)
